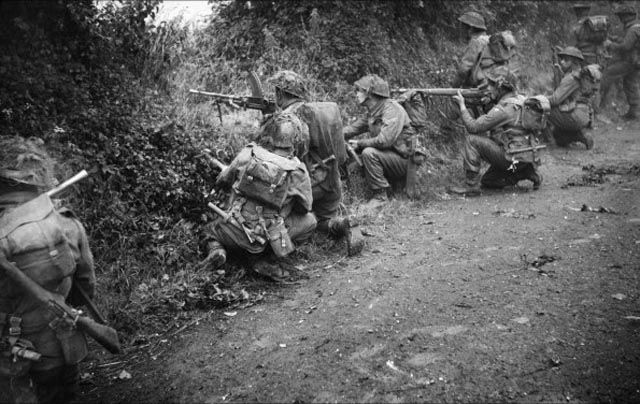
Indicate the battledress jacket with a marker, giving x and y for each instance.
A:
(570, 109)
(501, 116)
(49, 245)
(629, 48)
(389, 128)
(467, 62)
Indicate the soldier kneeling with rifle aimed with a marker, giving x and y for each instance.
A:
(511, 145)
(44, 255)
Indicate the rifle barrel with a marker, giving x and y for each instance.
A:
(466, 92)
(81, 175)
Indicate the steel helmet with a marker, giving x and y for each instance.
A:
(290, 82)
(593, 71)
(473, 19)
(25, 161)
(573, 52)
(502, 76)
(284, 131)
(374, 84)
(625, 10)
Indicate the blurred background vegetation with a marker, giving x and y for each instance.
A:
(107, 90)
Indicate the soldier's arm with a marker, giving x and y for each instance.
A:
(631, 37)
(84, 275)
(567, 86)
(361, 125)
(491, 120)
(392, 125)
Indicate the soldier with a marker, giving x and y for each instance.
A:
(270, 201)
(571, 111)
(476, 33)
(588, 34)
(625, 64)
(502, 122)
(386, 149)
(50, 245)
(323, 126)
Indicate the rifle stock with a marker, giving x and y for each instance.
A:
(353, 154)
(106, 336)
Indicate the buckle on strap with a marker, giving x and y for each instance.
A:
(14, 326)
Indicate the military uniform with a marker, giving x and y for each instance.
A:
(502, 171)
(625, 65)
(571, 110)
(262, 222)
(386, 149)
(50, 246)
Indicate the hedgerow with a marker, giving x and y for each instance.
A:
(108, 92)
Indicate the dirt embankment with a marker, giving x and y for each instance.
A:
(514, 296)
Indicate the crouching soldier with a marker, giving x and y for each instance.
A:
(270, 201)
(571, 103)
(510, 147)
(387, 146)
(323, 154)
(39, 352)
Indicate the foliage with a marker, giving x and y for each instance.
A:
(108, 91)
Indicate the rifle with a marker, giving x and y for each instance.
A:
(353, 154)
(557, 69)
(105, 335)
(466, 92)
(246, 102)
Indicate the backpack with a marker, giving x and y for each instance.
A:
(533, 113)
(414, 104)
(501, 46)
(596, 28)
(266, 178)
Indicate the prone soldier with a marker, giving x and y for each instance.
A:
(39, 352)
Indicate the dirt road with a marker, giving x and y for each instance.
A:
(514, 296)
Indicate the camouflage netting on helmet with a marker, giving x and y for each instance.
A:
(374, 84)
(285, 131)
(290, 82)
(25, 161)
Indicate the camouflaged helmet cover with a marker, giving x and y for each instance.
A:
(502, 76)
(473, 19)
(290, 82)
(284, 131)
(571, 51)
(540, 102)
(624, 9)
(374, 84)
(25, 161)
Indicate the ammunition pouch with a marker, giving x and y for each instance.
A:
(279, 239)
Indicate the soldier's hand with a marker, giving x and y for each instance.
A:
(607, 44)
(459, 99)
